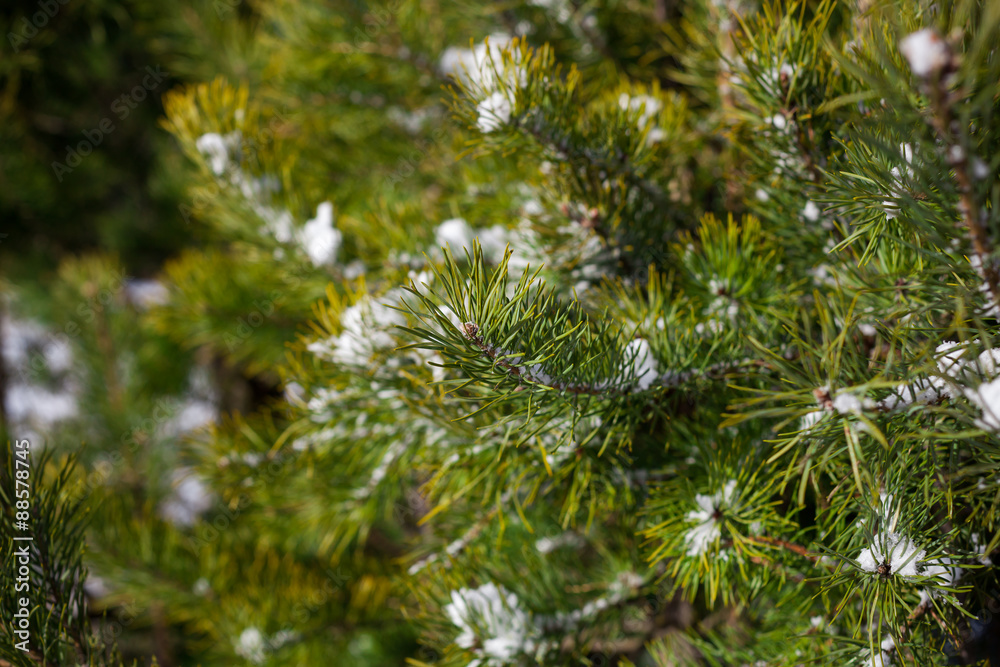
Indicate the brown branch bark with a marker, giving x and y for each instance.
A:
(471, 331)
(788, 546)
(941, 120)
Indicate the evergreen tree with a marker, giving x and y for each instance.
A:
(662, 335)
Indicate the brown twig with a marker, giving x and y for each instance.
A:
(472, 333)
(788, 546)
(941, 120)
(718, 371)
(807, 159)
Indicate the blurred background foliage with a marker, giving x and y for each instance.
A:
(109, 212)
(70, 71)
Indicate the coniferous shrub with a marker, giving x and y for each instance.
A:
(623, 333)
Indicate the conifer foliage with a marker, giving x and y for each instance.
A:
(607, 333)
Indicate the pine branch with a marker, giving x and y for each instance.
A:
(942, 100)
(471, 331)
(788, 546)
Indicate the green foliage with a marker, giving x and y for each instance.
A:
(51, 549)
(662, 335)
(83, 164)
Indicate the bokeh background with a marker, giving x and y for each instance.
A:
(149, 331)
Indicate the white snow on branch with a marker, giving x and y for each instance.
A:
(953, 371)
(891, 554)
(918, 392)
(393, 452)
(494, 112)
(455, 233)
(811, 211)
(642, 368)
(319, 238)
(254, 647)
(482, 66)
(810, 419)
(986, 397)
(547, 545)
(366, 328)
(492, 625)
(845, 402)
(145, 294)
(707, 519)
(975, 379)
(982, 549)
(648, 107)
(219, 151)
(925, 51)
(625, 585)
(250, 646)
(189, 499)
(848, 402)
(41, 390)
(947, 573)
(897, 187)
(881, 658)
(993, 310)
(458, 234)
